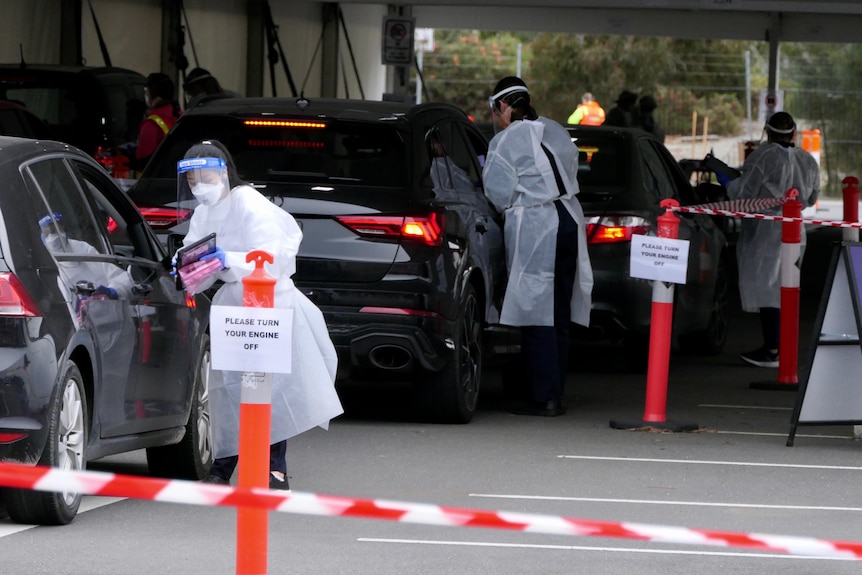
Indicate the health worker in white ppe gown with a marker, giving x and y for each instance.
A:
(530, 175)
(244, 220)
(769, 172)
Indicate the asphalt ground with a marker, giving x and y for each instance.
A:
(733, 473)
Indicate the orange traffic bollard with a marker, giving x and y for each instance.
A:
(255, 420)
(791, 255)
(850, 192)
(661, 326)
(791, 263)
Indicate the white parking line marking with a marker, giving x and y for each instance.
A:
(600, 549)
(706, 462)
(661, 502)
(88, 503)
(798, 435)
(754, 407)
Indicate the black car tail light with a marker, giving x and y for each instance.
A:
(165, 218)
(615, 229)
(425, 229)
(14, 299)
(11, 437)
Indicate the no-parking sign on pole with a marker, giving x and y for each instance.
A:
(397, 47)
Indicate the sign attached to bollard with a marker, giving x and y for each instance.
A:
(254, 339)
(655, 258)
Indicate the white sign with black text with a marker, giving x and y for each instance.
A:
(251, 338)
(662, 259)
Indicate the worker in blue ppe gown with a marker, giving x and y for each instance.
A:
(769, 172)
(244, 220)
(530, 175)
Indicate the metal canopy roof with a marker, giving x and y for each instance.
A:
(838, 21)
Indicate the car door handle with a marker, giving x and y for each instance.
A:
(482, 226)
(142, 289)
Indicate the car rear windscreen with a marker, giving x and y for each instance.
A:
(297, 150)
(601, 164)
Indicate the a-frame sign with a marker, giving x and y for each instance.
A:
(830, 390)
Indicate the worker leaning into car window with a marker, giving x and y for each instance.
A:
(245, 220)
(769, 172)
(531, 176)
(162, 113)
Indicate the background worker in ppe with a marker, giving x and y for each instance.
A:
(588, 112)
(244, 220)
(769, 172)
(550, 278)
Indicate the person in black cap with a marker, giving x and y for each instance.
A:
(199, 84)
(646, 120)
(623, 113)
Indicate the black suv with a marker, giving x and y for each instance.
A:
(95, 109)
(401, 250)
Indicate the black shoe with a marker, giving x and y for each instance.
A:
(549, 408)
(761, 357)
(216, 480)
(276, 483)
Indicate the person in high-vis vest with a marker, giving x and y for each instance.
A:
(162, 113)
(588, 113)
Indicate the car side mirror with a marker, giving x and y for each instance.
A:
(175, 242)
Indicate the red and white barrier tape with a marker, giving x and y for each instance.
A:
(194, 493)
(743, 209)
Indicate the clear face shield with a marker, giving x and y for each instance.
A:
(201, 181)
(53, 235)
(496, 109)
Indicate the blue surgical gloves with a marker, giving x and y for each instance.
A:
(217, 254)
(107, 291)
(722, 179)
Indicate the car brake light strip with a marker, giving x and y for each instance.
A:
(195, 493)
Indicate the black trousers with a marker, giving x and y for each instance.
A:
(770, 324)
(224, 466)
(545, 349)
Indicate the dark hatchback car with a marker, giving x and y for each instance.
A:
(623, 175)
(16, 120)
(401, 250)
(97, 109)
(100, 353)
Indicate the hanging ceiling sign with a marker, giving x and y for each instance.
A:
(397, 40)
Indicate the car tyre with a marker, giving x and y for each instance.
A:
(192, 456)
(711, 340)
(451, 395)
(67, 440)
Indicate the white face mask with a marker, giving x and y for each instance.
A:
(208, 194)
(54, 242)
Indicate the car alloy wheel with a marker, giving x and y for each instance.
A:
(451, 395)
(65, 450)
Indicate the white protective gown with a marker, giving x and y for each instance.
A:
(305, 398)
(769, 172)
(520, 182)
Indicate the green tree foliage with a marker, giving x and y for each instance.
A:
(822, 91)
(465, 65)
(566, 66)
(708, 77)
